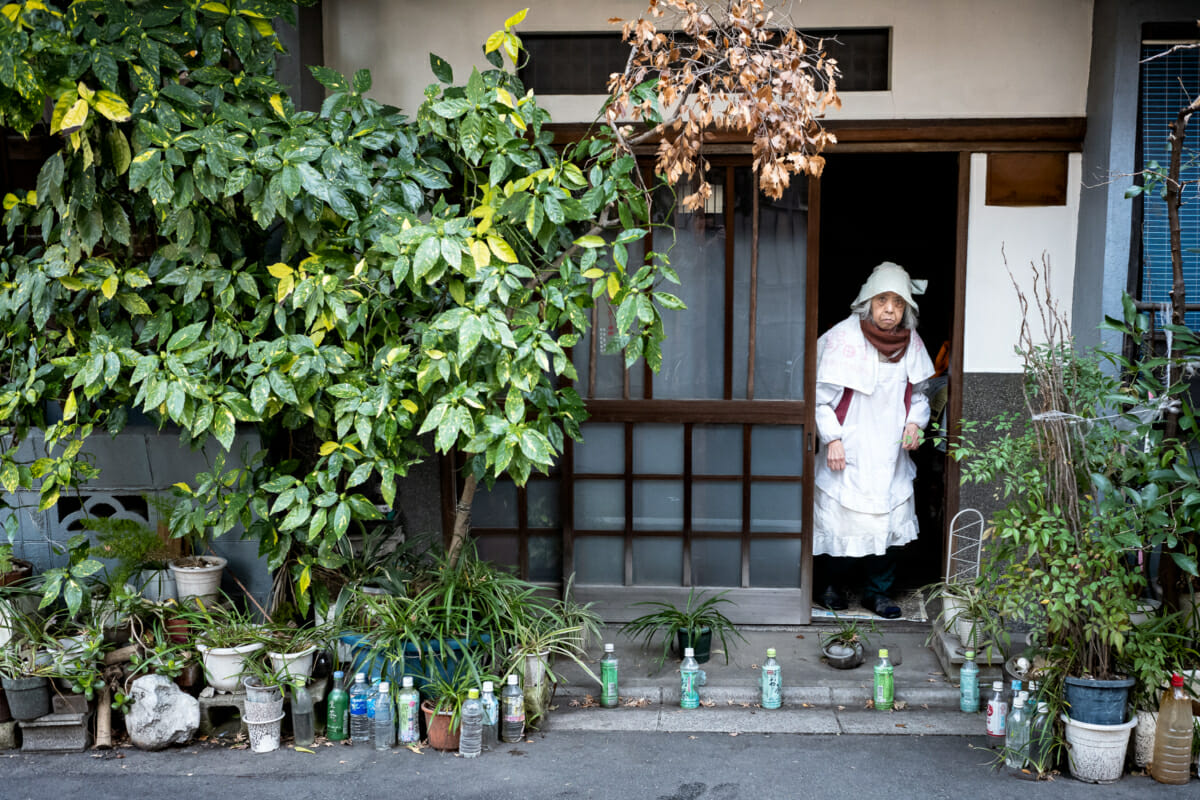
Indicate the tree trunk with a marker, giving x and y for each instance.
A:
(104, 718)
(462, 519)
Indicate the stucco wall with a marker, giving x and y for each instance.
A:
(983, 58)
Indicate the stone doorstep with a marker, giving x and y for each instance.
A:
(70, 704)
(10, 735)
(224, 700)
(61, 733)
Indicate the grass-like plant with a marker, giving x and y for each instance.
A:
(699, 613)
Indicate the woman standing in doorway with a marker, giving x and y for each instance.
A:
(870, 412)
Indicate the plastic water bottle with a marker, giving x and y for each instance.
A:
(885, 685)
(512, 712)
(772, 681)
(302, 714)
(1041, 737)
(360, 697)
(1173, 736)
(407, 711)
(491, 716)
(385, 723)
(470, 739)
(689, 675)
(608, 678)
(968, 684)
(997, 710)
(337, 709)
(1012, 698)
(1016, 735)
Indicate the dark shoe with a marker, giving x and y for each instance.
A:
(832, 599)
(886, 608)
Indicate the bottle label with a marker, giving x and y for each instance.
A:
(772, 689)
(968, 691)
(371, 706)
(409, 723)
(884, 688)
(997, 710)
(358, 705)
(608, 683)
(491, 711)
(514, 709)
(688, 696)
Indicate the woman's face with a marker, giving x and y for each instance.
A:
(887, 310)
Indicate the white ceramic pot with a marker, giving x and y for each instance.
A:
(293, 665)
(264, 736)
(223, 665)
(200, 581)
(1145, 609)
(157, 585)
(1143, 737)
(1096, 753)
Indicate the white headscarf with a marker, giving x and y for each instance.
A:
(889, 277)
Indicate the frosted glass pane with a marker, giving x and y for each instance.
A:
(658, 560)
(602, 449)
(782, 278)
(717, 506)
(716, 562)
(775, 562)
(776, 450)
(717, 449)
(658, 449)
(499, 549)
(600, 505)
(775, 507)
(599, 559)
(545, 558)
(658, 505)
(542, 497)
(496, 508)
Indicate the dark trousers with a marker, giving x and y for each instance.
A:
(878, 573)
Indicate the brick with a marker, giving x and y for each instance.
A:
(61, 733)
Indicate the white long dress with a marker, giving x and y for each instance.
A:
(868, 506)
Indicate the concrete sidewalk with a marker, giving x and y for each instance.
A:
(816, 699)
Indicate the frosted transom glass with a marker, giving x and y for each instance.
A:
(600, 559)
(775, 562)
(600, 505)
(776, 507)
(658, 505)
(776, 450)
(658, 560)
(658, 449)
(716, 562)
(717, 449)
(602, 449)
(717, 506)
(496, 508)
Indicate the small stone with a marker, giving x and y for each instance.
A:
(162, 713)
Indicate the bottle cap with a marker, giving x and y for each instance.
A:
(970, 655)
(770, 652)
(472, 694)
(512, 680)
(384, 687)
(1019, 701)
(1016, 686)
(608, 648)
(360, 677)
(883, 653)
(406, 682)
(338, 674)
(998, 686)
(488, 687)
(300, 682)
(1024, 696)
(1177, 680)
(689, 652)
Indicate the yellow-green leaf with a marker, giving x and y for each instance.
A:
(31, 197)
(504, 96)
(216, 8)
(350, 446)
(10, 201)
(494, 41)
(327, 448)
(304, 750)
(71, 282)
(112, 106)
(512, 46)
(305, 578)
(279, 270)
(614, 285)
(109, 287)
(409, 406)
(517, 121)
(516, 18)
(277, 104)
(261, 25)
(12, 10)
(501, 250)
(285, 287)
(183, 487)
(458, 292)
(65, 102)
(593, 273)
(75, 116)
(84, 91)
(436, 355)
(69, 407)
(480, 252)
(590, 241)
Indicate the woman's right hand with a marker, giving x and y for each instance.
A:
(835, 455)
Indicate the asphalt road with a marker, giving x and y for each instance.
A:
(656, 766)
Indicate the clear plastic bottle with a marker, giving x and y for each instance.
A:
(337, 709)
(470, 739)
(1012, 697)
(491, 716)
(408, 712)
(1173, 736)
(689, 675)
(385, 721)
(360, 696)
(302, 714)
(997, 711)
(1016, 735)
(1041, 737)
(609, 697)
(512, 711)
(771, 682)
(968, 684)
(885, 685)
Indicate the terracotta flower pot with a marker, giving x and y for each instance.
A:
(438, 727)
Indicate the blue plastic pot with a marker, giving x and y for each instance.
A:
(1098, 702)
(377, 666)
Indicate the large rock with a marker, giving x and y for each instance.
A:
(162, 713)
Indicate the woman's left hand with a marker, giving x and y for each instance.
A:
(911, 439)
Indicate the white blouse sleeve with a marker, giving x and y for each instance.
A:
(828, 397)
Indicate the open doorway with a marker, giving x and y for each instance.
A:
(899, 207)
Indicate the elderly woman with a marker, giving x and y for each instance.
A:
(868, 417)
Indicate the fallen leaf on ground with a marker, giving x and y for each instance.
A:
(869, 704)
(708, 703)
(587, 702)
(735, 733)
(636, 702)
(416, 748)
(304, 750)
(841, 708)
(691, 737)
(799, 635)
(901, 725)
(806, 705)
(900, 705)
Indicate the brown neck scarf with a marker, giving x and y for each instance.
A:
(891, 343)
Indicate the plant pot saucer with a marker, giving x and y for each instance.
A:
(840, 656)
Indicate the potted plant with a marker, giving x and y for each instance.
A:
(692, 626)
(25, 669)
(292, 648)
(141, 553)
(12, 570)
(225, 637)
(969, 613)
(1159, 647)
(442, 698)
(845, 644)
